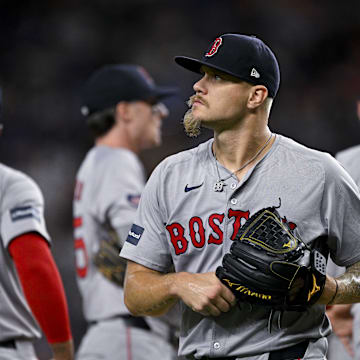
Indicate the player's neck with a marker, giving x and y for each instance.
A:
(236, 147)
(116, 139)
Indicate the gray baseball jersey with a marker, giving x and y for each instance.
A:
(182, 220)
(21, 211)
(108, 187)
(350, 159)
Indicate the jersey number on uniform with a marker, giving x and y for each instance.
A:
(81, 256)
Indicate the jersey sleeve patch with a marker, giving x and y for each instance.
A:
(24, 212)
(135, 234)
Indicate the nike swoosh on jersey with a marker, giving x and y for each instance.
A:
(187, 189)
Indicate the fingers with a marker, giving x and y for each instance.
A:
(205, 294)
(209, 310)
(222, 305)
(227, 294)
(222, 300)
(216, 307)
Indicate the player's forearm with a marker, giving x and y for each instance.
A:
(149, 293)
(349, 286)
(63, 350)
(347, 289)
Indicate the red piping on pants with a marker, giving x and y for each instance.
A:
(128, 343)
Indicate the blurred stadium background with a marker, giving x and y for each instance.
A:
(48, 49)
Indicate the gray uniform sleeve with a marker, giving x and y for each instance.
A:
(119, 192)
(22, 208)
(146, 243)
(341, 209)
(349, 158)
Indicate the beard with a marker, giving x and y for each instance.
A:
(192, 125)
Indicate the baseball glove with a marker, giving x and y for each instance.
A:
(268, 265)
(108, 261)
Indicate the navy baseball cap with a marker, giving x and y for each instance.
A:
(243, 56)
(114, 83)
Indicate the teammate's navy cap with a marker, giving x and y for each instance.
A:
(245, 57)
(114, 83)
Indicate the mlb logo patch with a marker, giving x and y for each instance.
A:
(135, 234)
(133, 200)
(24, 212)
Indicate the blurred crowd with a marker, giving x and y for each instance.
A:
(48, 49)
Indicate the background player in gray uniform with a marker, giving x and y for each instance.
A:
(123, 111)
(344, 343)
(31, 291)
(195, 202)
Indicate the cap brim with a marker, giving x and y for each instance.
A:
(194, 65)
(162, 92)
(191, 64)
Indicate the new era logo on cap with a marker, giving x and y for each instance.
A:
(254, 73)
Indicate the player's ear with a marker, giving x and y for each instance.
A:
(257, 95)
(122, 112)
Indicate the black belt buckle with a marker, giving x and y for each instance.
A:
(10, 344)
(292, 352)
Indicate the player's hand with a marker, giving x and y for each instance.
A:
(63, 350)
(204, 293)
(342, 324)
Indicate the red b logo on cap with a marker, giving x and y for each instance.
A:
(214, 48)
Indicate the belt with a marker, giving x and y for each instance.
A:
(130, 321)
(8, 344)
(294, 352)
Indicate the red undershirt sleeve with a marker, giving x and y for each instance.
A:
(42, 285)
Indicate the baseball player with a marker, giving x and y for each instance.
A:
(345, 319)
(349, 158)
(31, 291)
(122, 108)
(196, 201)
